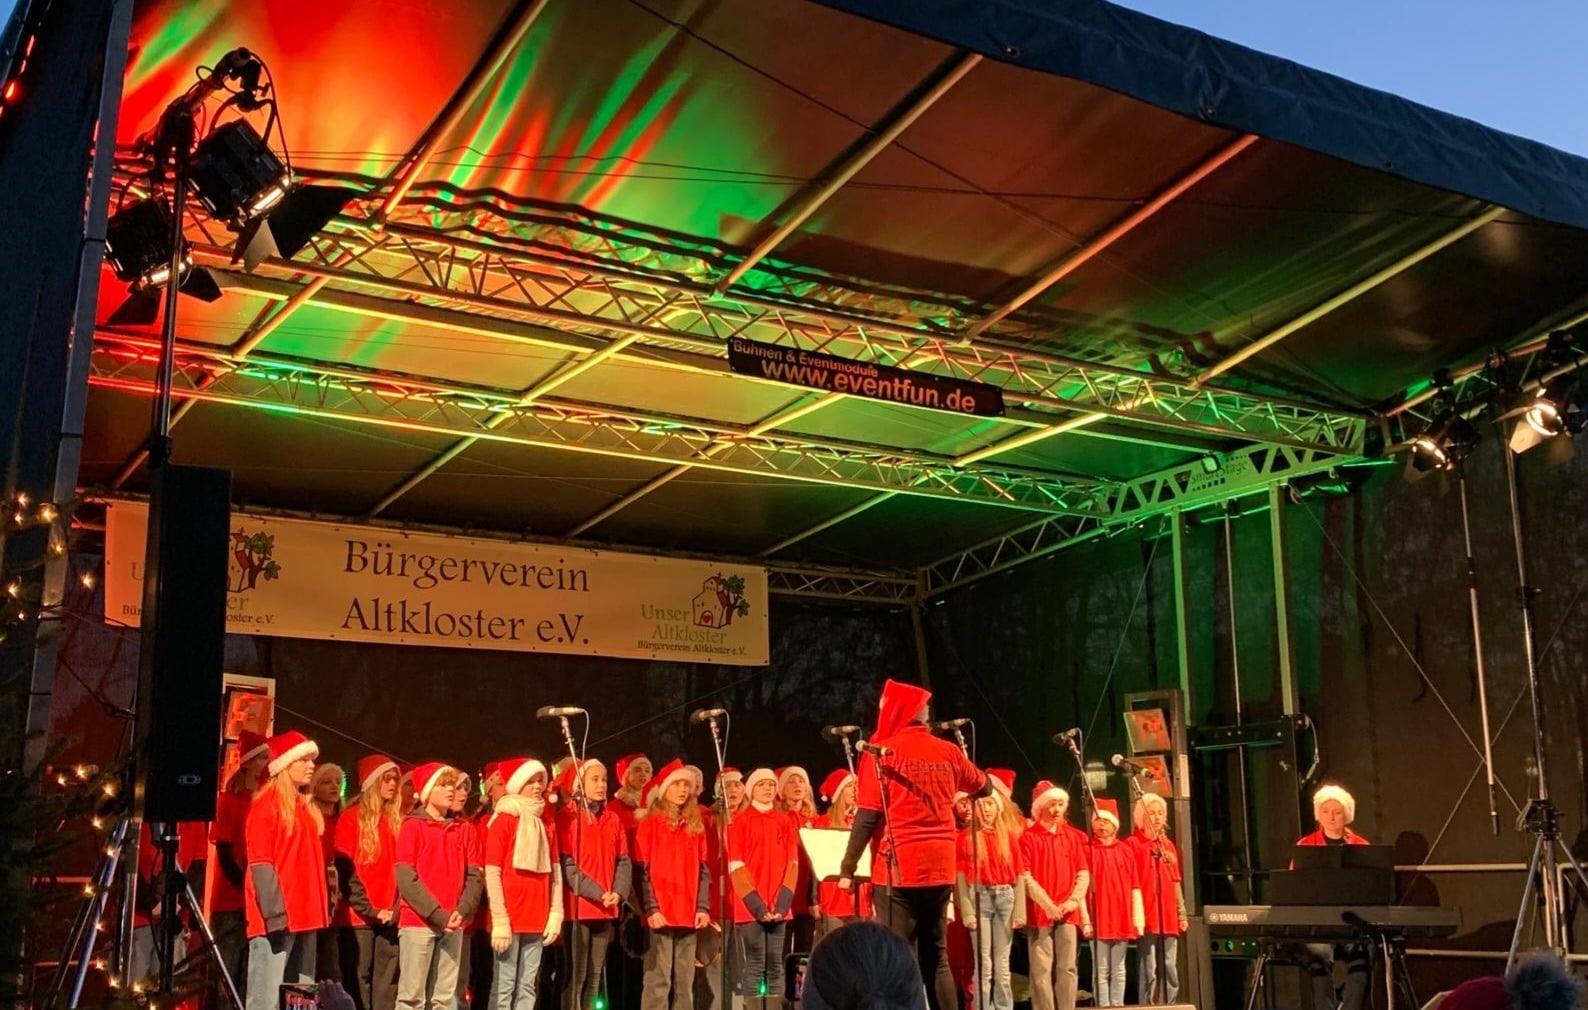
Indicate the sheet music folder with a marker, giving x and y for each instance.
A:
(825, 849)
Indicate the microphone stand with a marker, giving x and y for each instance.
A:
(982, 993)
(580, 809)
(719, 748)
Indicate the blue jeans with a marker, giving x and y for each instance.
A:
(995, 909)
(274, 959)
(1108, 970)
(517, 967)
(1147, 955)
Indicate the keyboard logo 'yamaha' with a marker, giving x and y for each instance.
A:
(1228, 917)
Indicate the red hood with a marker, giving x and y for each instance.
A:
(900, 704)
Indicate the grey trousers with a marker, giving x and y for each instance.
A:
(1054, 981)
(1108, 968)
(669, 970)
(592, 937)
(369, 960)
(274, 959)
(427, 968)
(1147, 956)
(762, 943)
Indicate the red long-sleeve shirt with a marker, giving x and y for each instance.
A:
(672, 857)
(921, 775)
(291, 845)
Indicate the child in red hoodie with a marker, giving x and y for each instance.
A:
(1115, 915)
(523, 877)
(285, 892)
(675, 887)
(763, 863)
(438, 879)
(597, 875)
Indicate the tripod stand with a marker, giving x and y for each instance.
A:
(1541, 817)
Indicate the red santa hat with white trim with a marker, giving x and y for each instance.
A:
(288, 747)
(516, 773)
(730, 774)
(249, 746)
(1108, 810)
(1003, 780)
(1339, 795)
(672, 771)
(370, 768)
(627, 761)
(834, 784)
(426, 776)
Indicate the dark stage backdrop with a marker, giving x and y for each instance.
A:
(466, 708)
(1377, 588)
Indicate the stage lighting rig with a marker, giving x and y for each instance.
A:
(1447, 442)
(1559, 407)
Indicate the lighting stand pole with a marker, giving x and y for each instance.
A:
(1477, 650)
(1541, 817)
(571, 887)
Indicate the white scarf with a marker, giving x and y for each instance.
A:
(531, 848)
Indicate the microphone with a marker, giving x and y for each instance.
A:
(875, 750)
(948, 724)
(1126, 764)
(834, 732)
(558, 712)
(702, 714)
(1070, 735)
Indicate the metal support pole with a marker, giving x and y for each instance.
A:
(1182, 622)
(1288, 694)
(918, 627)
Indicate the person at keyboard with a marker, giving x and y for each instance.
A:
(1335, 809)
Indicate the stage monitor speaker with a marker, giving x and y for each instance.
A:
(184, 632)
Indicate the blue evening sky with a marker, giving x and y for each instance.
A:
(1516, 65)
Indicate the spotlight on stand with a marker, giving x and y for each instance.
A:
(138, 249)
(1559, 408)
(241, 182)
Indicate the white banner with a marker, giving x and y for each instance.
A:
(299, 579)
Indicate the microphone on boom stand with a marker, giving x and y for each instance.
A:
(875, 750)
(1130, 767)
(558, 711)
(700, 715)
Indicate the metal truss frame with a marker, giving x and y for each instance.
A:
(582, 286)
(305, 387)
(1190, 485)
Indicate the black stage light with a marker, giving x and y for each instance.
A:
(1444, 445)
(242, 182)
(138, 249)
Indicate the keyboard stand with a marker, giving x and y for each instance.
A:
(1265, 954)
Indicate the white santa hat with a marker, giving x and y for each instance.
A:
(517, 773)
(759, 775)
(1339, 795)
(784, 774)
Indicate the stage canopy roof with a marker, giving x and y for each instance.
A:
(1190, 267)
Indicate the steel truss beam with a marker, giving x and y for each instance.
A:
(1190, 485)
(294, 386)
(583, 299)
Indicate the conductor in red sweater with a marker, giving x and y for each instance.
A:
(905, 810)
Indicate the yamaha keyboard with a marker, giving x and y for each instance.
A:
(1329, 922)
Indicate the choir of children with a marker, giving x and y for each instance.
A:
(399, 878)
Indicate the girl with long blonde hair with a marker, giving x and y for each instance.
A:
(675, 886)
(990, 885)
(366, 863)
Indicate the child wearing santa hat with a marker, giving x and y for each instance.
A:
(523, 877)
(1056, 882)
(228, 834)
(597, 876)
(763, 861)
(839, 906)
(285, 890)
(439, 882)
(1114, 914)
(991, 890)
(716, 942)
(481, 963)
(632, 771)
(1158, 865)
(366, 861)
(675, 887)
(796, 798)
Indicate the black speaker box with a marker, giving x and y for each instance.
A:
(184, 632)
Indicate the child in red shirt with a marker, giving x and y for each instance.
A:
(763, 862)
(991, 890)
(597, 876)
(796, 797)
(366, 861)
(838, 906)
(284, 893)
(1056, 882)
(1115, 915)
(675, 887)
(438, 880)
(1158, 866)
(523, 877)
